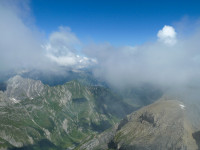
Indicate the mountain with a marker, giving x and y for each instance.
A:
(53, 78)
(84, 115)
(38, 116)
(162, 125)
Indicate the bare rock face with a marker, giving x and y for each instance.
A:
(159, 126)
(20, 88)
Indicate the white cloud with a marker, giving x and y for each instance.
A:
(61, 49)
(167, 35)
(151, 62)
(19, 43)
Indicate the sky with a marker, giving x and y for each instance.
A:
(122, 42)
(119, 22)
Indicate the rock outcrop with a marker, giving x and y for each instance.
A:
(159, 126)
(162, 125)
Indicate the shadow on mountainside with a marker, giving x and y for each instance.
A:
(196, 136)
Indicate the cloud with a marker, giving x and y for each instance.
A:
(61, 48)
(20, 43)
(155, 63)
(19, 40)
(167, 35)
(168, 64)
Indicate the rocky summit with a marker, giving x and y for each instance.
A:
(159, 126)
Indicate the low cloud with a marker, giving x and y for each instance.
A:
(156, 63)
(61, 48)
(23, 47)
(19, 41)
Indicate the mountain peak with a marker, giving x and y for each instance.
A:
(21, 88)
(15, 80)
(161, 125)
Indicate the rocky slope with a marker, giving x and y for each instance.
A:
(37, 116)
(160, 126)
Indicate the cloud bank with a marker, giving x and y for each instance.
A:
(166, 62)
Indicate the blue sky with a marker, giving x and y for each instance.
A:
(119, 22)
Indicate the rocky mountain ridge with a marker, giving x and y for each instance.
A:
(61, 116)
(78, 116)
(159, 126)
